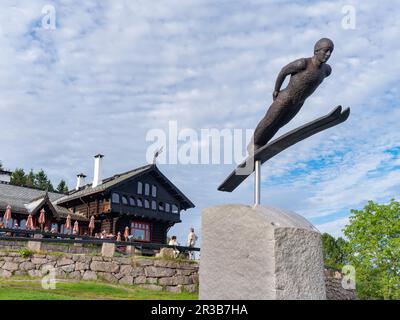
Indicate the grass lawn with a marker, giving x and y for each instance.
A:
(30, 289)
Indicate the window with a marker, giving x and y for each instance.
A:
(139, 202)
(10, 224)
(146, 189)
(146, 204)
(140, 231)
(23, 224)
(161, 206)
(124, 200)
(175, 209)
(153, 205)
(167, 207)
(153, 191)
(140, 188)
(115, 198)
(64, 230)
(132, 201)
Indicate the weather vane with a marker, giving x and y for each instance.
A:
(157, 154)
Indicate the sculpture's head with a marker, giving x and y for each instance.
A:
(323, 49)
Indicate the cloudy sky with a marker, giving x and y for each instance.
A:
(113, 70)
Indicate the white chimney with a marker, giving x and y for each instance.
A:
(98, 164)
(80, 181)
(5, 176)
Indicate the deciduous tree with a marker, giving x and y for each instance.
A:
(374, 250)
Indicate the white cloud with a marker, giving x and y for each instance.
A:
(334, 228)
(114, 69)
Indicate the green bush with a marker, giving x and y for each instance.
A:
(25, 252)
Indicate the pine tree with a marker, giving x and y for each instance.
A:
(30, 179)
(62, 187)
(1, 166)
(18, 177)
(49, 187)
(42, 182)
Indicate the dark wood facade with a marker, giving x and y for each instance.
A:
(146, 202)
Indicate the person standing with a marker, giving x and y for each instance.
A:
(191, 241)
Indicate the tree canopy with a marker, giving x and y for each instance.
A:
(374, 250)
(334, 251)
(62, 187)
(18, 177)
(37, 180)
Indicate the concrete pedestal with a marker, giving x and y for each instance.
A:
(259, 253)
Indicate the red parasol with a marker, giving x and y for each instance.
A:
(68, 222)
(29, 223)
(7, 216)
(76, 227)
(42, 218)
(126, 233)
(91, 225)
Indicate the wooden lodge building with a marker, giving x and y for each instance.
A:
(142, 199)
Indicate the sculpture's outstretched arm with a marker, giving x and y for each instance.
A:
(290, 69)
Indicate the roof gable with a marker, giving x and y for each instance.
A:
(118, 179)
(17, 196)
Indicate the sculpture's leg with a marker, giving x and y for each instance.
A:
(276, 117)
(268, 126)
(290, 114)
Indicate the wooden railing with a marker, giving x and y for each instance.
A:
(37, 235)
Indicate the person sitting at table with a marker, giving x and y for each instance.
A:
(174, 242)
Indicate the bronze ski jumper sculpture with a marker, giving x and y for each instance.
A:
(306, 75)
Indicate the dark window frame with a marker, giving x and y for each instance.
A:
(147, 189)
(139, 187)
(177, 209)
(154, 190)
(142, 226)
(114, 194)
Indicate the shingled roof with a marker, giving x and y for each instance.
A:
(24, 200)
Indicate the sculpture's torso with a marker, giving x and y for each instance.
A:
(302, 84)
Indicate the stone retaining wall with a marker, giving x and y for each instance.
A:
(155, 274)
(334, 289)
(52, 247)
